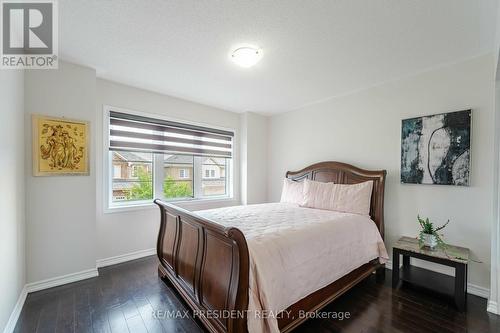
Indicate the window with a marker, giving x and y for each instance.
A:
(136, 183)
(213, 185)
(183, 173)
(117, 171)
(135, 170)
(154, 158)
(212, 170)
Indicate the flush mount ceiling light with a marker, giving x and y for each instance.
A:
(246, 56)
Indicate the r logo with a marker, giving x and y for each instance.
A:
(27, 27)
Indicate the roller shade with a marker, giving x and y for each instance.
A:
(143, 134)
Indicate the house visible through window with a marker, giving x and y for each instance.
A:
(132, 176)
(187, 162)
(177, 183)
(215, 175)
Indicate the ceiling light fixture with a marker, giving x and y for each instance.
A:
(246, 56)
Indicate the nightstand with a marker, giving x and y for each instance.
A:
(453, 256)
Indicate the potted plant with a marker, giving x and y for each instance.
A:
(429, 236)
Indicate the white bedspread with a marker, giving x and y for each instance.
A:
(295, 251)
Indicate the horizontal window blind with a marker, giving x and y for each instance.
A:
(144, 134)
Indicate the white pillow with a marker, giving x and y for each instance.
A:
(292, 192)
(345, 198)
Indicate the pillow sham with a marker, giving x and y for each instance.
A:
(292, 192)
(344, 198)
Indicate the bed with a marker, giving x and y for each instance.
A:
(217, 268)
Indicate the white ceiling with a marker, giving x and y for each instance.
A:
(313, 49)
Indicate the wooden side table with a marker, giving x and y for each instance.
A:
(453, 256)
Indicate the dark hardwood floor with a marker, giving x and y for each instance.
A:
(124, 297)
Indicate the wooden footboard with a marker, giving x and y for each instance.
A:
(208, 265)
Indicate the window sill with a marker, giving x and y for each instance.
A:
(193, 204)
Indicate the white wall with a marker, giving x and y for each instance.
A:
(364, 129)
(127, 232)
(12, 217)
(254, 149)
(60, 211)
(67, 227)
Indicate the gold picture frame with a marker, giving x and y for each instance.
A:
(60, 146)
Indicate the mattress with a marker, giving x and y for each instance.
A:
(295, 251)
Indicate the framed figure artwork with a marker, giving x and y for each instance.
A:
(60, 146)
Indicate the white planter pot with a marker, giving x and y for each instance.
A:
(430, 241)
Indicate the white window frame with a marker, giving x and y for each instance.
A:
(159, 172)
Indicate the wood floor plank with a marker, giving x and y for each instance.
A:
(146, 311)
(128, 298)
(29, 317)
(116, 319)
(66, 313)
(48, 316)
(83, 322)
(136, 324)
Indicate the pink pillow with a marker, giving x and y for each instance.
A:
(345, 198)
(292, 192)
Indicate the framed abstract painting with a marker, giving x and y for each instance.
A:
(60, 146)
(436, 149)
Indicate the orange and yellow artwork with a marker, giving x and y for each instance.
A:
(60, 146)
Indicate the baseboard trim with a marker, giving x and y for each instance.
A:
(60, 280)
(471, 288)
(69, 278)
(124, 258)
(14, 316)
(493, 307)
(479, 291)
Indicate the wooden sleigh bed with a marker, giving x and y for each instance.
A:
(208, 264)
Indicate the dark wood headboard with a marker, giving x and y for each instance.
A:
(342, 173)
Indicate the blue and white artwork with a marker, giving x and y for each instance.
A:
(436, 149)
